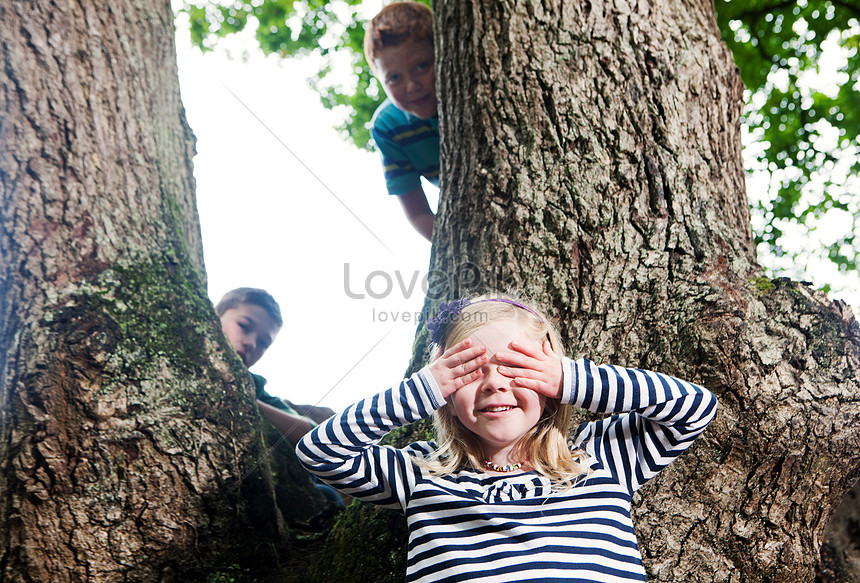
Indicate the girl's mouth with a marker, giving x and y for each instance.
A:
(497, 409)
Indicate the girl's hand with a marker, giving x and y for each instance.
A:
(459, 366)
(538, 370)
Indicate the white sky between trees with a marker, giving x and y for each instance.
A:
(268, 222)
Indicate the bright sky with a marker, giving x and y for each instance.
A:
(286, 205)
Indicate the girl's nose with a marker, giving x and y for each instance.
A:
(493, 379)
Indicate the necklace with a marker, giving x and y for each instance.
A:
(504, 468)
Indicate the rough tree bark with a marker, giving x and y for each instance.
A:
(592, 158)
(126, 420)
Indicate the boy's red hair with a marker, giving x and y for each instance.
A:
(395, 24)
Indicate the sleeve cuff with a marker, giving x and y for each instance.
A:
(568, 380)
(402, 187)
(433, 391)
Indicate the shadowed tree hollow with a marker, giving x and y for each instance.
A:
(591, 157)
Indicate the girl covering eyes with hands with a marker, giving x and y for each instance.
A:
(503, 494)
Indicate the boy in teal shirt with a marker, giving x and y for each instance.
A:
(398, 46)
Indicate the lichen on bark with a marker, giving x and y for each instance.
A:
(129, 406)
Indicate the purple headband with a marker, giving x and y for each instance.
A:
(448, 311)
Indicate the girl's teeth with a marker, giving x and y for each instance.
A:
(497, 409)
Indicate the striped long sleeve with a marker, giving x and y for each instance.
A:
(471, 526)
(656, 417)
(342, 451)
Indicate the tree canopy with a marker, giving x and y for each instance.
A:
(803, 122)
(801, 115)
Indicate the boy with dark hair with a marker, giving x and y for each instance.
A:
(398, 45)
(251, 319)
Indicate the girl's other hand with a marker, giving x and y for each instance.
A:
(459, 366)
(538, 370)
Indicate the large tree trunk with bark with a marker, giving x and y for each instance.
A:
(592, 158)
(127, 423)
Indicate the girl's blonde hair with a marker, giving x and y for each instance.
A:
(545, 446)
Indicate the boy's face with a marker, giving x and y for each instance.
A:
(250, 330)
(408, 74)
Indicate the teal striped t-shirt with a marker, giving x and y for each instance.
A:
(409, 146)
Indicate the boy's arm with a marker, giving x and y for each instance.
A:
(418, 211)
(293, 426)
(316, 413)
(401, 177)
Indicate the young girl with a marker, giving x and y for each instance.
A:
(501, 497)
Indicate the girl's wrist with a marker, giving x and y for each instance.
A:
(432, 386)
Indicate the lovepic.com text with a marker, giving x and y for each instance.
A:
(409, 317)
(395, 316)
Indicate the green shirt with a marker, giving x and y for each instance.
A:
(262, 395)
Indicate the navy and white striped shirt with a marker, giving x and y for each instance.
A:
(471, 526)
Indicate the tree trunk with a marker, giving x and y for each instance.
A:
(840, 549)
(592, 158)
(126, 421)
